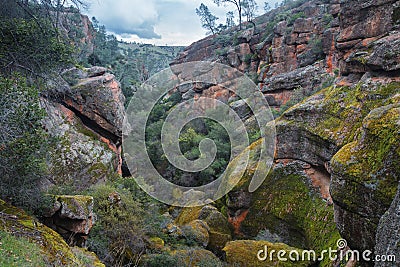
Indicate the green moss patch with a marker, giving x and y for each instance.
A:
(54, 250)
(18, 251)
(244, 253)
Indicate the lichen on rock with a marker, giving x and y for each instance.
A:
(55, 250)
(243, 253)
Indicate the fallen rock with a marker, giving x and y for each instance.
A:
(246, 252)
(73, 219)
(55, 250)
(219, 230)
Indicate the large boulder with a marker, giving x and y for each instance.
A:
(242, 253)
(55, 250)
(80, 151)
(85, 109)
(72, 217)
(214, 221)
(365, 174)
(97, 97)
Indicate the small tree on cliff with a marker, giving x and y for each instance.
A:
(238, 4)
(229, 19)
(249, 9)
(267, 7)
(207, 19)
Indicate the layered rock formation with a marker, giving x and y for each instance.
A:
(289, 49)
(339, 146)
(85, 111)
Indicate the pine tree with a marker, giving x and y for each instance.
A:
(207, 19)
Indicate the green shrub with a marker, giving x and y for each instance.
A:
(32, 46)
(23, 143)
(123, 228)
(292, 18)
(118, 237)
(157, 260)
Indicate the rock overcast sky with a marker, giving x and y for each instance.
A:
(159, 22)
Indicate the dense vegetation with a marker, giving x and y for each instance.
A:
(189, 140)
(30, 50)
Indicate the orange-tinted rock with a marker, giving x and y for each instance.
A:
(73, 219)
(303, 25)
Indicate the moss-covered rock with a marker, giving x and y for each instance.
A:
(356, 127)
(156, 243)
(190, 257)
(199, 231)
(197, 257)
(289, 206)
(243, 253)
(76, 207)
(79, 151)
(361, 122)
(366, 174)
(315, 129)
(54, 249)
(187, 215)
(288, 203)
(71, 216)
(219, 228)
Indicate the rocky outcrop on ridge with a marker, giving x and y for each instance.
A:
(289, 49)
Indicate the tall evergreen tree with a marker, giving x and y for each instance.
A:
(207, 19)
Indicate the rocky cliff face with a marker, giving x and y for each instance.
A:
(288, 50)
(337, 151)
(78, 29)
(85, 112)
(84, 115)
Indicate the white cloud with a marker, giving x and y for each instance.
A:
(160, 22)
(127, 16)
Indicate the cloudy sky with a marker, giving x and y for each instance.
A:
(159, 22)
